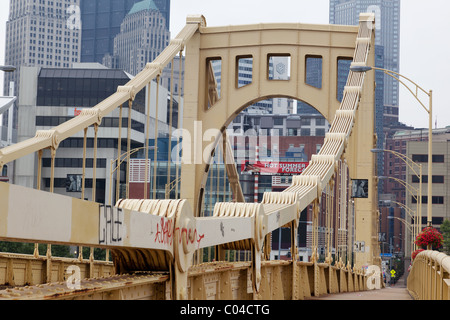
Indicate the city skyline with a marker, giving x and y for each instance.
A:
(419, 24)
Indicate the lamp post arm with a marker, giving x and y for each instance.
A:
(405, 159)
(406, 208)
(407, 186)
(408, 225)
(398, 77)
(429, 110)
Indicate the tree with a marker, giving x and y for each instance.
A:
(16, 247)
(445, 229)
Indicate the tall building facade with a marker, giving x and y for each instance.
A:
(101, 21)
(40, 33)
(387, 56)
(143, 36)
(387, 33)
(52, 96)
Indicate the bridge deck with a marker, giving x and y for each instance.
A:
(396, 292)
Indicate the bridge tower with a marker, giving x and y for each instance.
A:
(207, 113)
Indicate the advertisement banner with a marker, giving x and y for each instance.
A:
(273, 168)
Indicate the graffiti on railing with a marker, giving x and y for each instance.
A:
(111, 224)
(164, 232)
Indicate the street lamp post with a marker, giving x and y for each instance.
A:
(414, 228)
(8, 68)
(411, 213)
(409, 162)
(404, 183)
(415, 92)
(407, 225)
(410, 190)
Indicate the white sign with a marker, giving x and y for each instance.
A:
(360, 246)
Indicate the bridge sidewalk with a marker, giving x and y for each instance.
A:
(395, 292)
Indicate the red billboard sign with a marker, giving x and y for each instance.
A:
(273, 168)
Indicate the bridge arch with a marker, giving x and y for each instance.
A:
(212, 78)
(217, 139)
(263, 98)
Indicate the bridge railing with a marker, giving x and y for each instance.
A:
(429, 278)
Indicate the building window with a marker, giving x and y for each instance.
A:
(320, 121)
(278, 121)
(435, 200)
(73, 163)
(437, 158)
(420, 157)
(320, 132)
(318, 147)
(434, 220)
(306, 132)
(436, 179)
(306, 121)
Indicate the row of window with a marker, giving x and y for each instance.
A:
(277, 69)
(101, 143)
(62, 183)
(107, 122)
(437, 158)
(73, 163)
(434, 200)
(435, 221)
(306, 132)
(436, 179)
(75, 92)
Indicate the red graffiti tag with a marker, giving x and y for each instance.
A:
(191, 235)
(164, 232)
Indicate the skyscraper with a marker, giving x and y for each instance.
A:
(43, 34)
(387, 34)
(387, 56)
(101, 20)
(164, 8)
(143, 36)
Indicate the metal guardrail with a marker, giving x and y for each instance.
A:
(280, 280)
(429, 277)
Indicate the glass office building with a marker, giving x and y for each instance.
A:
(83, 88)
(60, 95)
(38, 34)
(143, 36)
(387, 55)
(387, 33)
(101, 20)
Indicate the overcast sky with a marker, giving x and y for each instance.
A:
(424, 43)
